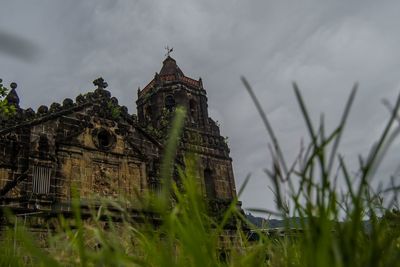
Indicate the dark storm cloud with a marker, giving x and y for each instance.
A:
(324, 45)
(18, 47)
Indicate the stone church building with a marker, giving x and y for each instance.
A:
(94, 143)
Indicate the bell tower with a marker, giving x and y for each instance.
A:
(170, 88)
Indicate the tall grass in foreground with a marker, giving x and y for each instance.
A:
(185, 235)
(334, 231)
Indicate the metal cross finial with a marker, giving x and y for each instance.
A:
(169, 50)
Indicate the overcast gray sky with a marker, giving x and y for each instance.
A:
(55, 49)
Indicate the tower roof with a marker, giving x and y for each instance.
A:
(170, 67)
(170, 72)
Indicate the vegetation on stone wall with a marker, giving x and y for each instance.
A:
(164, 125)
(114, 109)
(332, 231)
(6, 110)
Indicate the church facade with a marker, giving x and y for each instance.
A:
(93, 143)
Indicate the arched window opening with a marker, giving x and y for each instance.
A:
(209, 183)
(43, 146)
(169, 102)
(193, 110)
(148, 112)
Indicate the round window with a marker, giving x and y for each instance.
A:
(103, 139)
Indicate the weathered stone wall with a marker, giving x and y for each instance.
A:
(97, 173)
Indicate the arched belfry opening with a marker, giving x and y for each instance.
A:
(148, 112)
(193, 110)
(209, 183)
(169, 102)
